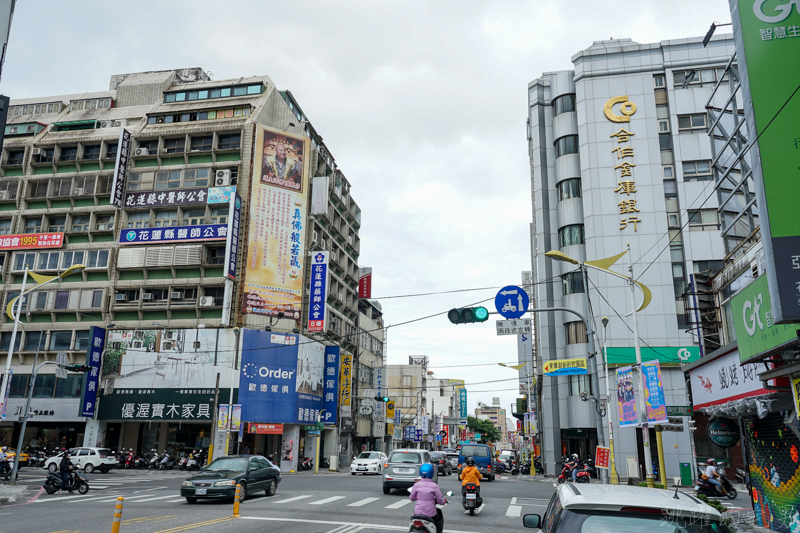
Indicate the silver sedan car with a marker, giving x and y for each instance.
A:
(401, 470)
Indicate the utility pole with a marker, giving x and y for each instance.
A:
(612, 470)
(648, 458)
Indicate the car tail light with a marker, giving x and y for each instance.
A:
(389, 478)
(441, 461)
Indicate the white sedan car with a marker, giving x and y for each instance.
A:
(368, 463)
(90, 459)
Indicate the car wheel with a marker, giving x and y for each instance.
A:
(52, 467)
(386, 490)
(191, 500)
(352, 473)
(89, 468)
(271, 488)
(243, 491)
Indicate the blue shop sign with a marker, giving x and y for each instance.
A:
(198, 232)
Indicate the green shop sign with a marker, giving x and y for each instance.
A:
(663, 354)
(754, 322)
(767, 35)
(161, 405)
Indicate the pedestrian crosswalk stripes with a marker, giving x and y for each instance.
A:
(365, 501)
(327, 500)
(399, 504)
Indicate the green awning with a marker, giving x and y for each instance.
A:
(74, 123)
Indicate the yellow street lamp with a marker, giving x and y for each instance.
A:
(43, 280)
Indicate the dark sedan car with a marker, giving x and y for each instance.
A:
(219, 479)
(442, 462)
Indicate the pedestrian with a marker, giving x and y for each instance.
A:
(246, 450)
(64, 468)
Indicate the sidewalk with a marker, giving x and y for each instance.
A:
(11, 493)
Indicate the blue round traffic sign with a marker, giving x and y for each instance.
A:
(511, 302)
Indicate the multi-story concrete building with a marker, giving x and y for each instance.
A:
(370, 427)
(408, 386)
(157, 271)
(495, 414)
(620, 156)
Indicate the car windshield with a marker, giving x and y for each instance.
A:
(475, 451)
(663, 520)
(233, 464)
(405, 457)
(369, 455)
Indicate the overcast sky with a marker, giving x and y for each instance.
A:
(423, 105)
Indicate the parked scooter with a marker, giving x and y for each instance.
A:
(154, 461)
(192, 462)
(183, 461)
(471, 499)
(167, 462)
(306, 464)
(425, 524)
(709, 489)
(77, 481)
(324, 463)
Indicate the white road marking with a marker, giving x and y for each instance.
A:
(327, 500)
(365, 501)
(290, 499)
(127, 498)
(398, 505)
(513, 501)
(175, 501)
(382, 527)
(514, 511)
(157, 498)
(477, 511)
(56, 497)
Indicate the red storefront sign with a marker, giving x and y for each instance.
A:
(265, 429)
(446, 436)
(365, 282)
(31, 240)
(602, 457)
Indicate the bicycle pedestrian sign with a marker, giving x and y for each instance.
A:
(512, 302)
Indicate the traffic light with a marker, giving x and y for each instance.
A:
(467, 315)
(381, 398)
(74, 367)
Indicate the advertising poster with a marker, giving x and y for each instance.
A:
(345, 384)
(222, 418)
(273, 278)
(236, 418)
(526, 424)
(626, 397)
(655, 401)
(281, 378)
(602, 457)
(329, 402)
(796, 394)
(31, 240)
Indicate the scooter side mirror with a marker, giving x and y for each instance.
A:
(449, 493)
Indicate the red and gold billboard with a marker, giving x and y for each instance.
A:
(31, 240)
(273, 278)
(265, 429)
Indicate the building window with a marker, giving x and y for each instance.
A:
(142, 181)
(658, 81)
(219, 215)
(694, 123)
(48, 260)
(68, 153)
(104, 223)
(60, 340)
(575, 332)
(71, 258)
(579, 384)
(80, 224)
(166, 218)
(45, 384)
(713, 267)
(151, 146)
(202, 144)
(229, 141)
(215, 255)
(406, 381)
(57, 224)
(174, 146)
(62, 300)
(195, 178)
(570, 235)
(573, 283)
(5, 339)
(218, 92)
(665, 142)
(192, 217)
(37, 189)
(570, 188)
(703, 220)
(21, 260)
(73, 385)
(699, 77)
(168, 180)
(97, 299)
(97, 259)
(111, 150)
(33, 225)
(218, 293)
(697, 171)
(5, 226)
(566, 145)
(139, 220)
(16, 157)
(98, 103)
(47, 155)
(91, 151)
(564, 104)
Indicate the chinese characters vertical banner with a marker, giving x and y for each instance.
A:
(329, 403)
(347, 368)
(94, 355)
(626, 397)
(318, 292)
(273, 268)
(654, 393)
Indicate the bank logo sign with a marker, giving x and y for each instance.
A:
(782, 11)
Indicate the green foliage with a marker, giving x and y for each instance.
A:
(486, 428)
(656, 485)
(729, 522)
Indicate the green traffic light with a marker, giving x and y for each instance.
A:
(481, 314)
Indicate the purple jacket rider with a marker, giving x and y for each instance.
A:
(427, 494)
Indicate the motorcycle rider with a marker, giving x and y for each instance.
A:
(711, 473)
(470, 474)
(574, 463)
(427, 494)
(3, 459)
(65, 468)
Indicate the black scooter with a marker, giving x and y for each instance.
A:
(709, 489)
(77, 481)
(427, 524)
(471, 499)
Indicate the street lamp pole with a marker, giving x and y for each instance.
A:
(611, 467)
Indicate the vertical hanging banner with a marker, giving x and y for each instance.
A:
(626, 397)
(329, 400)
(655, 402)
(236, 417)
(120, 175)
(526, 424)
(462, 397)
(91, 380)
(273, 268)
(317, 306)
(365, 282)
(344, 384)
(232, 242)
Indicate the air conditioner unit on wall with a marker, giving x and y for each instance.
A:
(147, 296)
(122, 297)
(142, 151)
(37, 151)
(137, 344)
(207, 301)
(4, 195)
(222, 178)
(78, 192)
(176, 295)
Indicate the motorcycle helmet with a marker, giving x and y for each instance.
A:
(575, 457)
(470, 461)
(426, 470)
(5, 448)
(711, 461)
